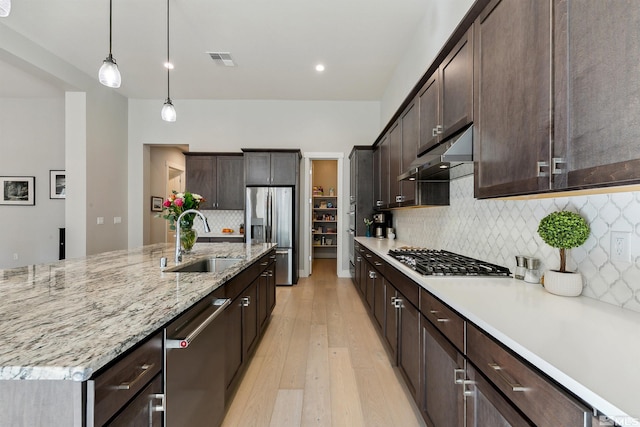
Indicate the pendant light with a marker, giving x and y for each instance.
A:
(168, 112)
(5, 8)
(109, 75)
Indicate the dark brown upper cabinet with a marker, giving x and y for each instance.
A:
(266, 168)
(597, 94)
(446, 99)
(512, 105)
(219, 179)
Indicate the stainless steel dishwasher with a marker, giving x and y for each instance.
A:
(194, 365)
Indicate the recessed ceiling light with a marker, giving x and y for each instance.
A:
(319, 68)
(168, 65)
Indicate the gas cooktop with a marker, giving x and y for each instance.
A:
(432, 262)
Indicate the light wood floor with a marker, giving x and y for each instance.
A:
(321, 363)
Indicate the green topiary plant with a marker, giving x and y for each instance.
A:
(563, 230)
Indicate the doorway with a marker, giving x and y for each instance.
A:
(175, 181)
(339, 201)
(324, 209)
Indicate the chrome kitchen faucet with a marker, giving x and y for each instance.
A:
(206, 230)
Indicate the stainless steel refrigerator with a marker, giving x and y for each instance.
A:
(269, 215)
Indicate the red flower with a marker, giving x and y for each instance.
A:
(167, 203)
(178, 202)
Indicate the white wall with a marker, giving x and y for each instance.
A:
(97, 164)
(31, 143)
(440, 19)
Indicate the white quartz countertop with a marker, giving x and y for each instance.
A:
(67, 319)
(590, 347)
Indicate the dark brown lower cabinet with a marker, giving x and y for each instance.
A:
(380, 304)
(409, 344)
(250, 317)
(233, 344)
(486, 407)
(442, 403)
(390, 330)
(369, 292)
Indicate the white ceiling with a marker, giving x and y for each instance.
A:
(276, 44)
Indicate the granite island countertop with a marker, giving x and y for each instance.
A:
(588, 346)
(65, 320)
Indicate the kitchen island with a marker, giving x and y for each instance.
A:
(65, 321)
(588, 347)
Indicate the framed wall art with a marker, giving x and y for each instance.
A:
(18, 190)
(156, 204)
(57, 185)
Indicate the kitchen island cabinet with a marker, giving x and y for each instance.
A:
(102, 312)
(565, 379)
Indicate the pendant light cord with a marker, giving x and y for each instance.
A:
(168, 60)
(110, 18)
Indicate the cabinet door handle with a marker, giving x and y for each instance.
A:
(467, 392)
(555, 169)
(246, 301)
(393, 301)
(372, 275)
(438, 319)
(541, 166)
(144, 369)
(456, 376)
(157, 408)
(358, 259)
(515, 386)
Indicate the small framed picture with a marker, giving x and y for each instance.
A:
(57, 185)
(156, 204)
(18, 190)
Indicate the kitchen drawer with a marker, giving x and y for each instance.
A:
(445, 319)
(536, 396)
(406, 286)
(375, 261)
(120, 382)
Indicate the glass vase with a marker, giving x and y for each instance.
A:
(188, 237)
(368, 234)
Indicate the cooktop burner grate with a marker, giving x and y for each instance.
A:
(433, 262)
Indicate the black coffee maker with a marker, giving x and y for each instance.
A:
(381, 221)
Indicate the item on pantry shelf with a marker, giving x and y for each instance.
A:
(563, 230)
(227, 230)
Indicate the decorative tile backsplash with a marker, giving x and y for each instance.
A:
(497, 230)
(219, 220)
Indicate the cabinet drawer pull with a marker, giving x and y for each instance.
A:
(377, 264)
(512, 384)
(438, 319)
(272, 257)
(264, 264)
(358, 259)
(367, 255)
(146, 368)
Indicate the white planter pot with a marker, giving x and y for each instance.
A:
(567, 284)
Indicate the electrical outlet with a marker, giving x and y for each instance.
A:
(117, 219)
(15, 256)
(100, 220)
(620, 244)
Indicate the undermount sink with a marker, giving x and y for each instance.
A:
(205, 265)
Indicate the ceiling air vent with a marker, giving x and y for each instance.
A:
(222, 58)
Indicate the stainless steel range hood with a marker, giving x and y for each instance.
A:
(435, 164)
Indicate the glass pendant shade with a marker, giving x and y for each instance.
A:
(109, 75)
(5, 8)
(168, 112)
